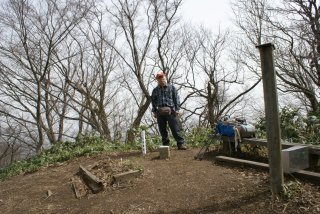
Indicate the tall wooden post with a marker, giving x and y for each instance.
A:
(272, 117)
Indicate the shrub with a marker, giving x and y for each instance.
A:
(295, 127)
(63, 151)
(199, 136)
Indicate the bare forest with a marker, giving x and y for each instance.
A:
(71, 68)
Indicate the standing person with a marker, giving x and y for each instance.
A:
(165, 107)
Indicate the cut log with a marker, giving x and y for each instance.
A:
(94, 183)
(122, 177)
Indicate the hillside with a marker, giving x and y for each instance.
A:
(180, 184)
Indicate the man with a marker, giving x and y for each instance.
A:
(165, 107)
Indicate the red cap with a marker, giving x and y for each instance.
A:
(160, 74)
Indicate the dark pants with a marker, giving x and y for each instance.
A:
(173, 124)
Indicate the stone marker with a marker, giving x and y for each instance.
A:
(164, 152)
(295, 158)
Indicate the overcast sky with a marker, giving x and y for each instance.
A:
(210, 13)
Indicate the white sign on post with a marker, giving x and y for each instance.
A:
(143, 142)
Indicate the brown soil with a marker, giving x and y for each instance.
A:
(180, 184)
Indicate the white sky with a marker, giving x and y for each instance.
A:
(211, 13)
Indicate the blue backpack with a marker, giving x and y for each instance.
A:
(225, 129)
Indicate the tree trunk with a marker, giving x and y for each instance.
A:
(104, 125)
(131, 133)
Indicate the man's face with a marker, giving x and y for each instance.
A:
(162, 81)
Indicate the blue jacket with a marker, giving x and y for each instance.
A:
(165, 96)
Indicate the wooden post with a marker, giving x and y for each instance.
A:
(272, 117)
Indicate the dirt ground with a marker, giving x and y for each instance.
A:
(180, 184)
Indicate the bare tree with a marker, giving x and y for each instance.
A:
(32, 32)
(293, 26)
(11, 141)
(138, 21)
(169, 39)
(211, 78)
(298, 35)
(252, 29)
(95, 81)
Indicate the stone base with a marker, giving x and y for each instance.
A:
(295, 158)
(164, 152)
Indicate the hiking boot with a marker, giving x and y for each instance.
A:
(182, 147)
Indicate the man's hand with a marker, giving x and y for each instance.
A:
(177, 113)
(154, 114)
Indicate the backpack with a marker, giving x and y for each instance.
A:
(227, 128)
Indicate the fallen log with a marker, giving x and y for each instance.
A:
(94, 183)
(78, 187)
(122, 177)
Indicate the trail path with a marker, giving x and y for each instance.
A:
(180, 184)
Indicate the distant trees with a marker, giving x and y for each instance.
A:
(67, 68)
(293, 26)
(10, 145)
(32, 33)
(77, 67)
(92, 75)
(298, 35)
(215, 83)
